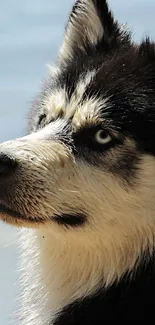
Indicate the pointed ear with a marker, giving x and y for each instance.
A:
(91, 27)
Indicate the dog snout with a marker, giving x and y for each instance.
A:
(7, 164)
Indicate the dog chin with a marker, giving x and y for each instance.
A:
(15, 218)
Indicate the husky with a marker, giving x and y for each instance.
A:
(81, 183)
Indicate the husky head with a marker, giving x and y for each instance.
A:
(86, 170)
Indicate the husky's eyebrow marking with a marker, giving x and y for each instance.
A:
(80, 111)
(58, 101)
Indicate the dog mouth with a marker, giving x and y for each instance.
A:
(16, 218)
(11, 216)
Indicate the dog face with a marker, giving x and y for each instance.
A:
(86, 169)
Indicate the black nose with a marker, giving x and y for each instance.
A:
(7, 164)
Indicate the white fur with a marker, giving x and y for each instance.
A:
(61, 265)
(53, 70)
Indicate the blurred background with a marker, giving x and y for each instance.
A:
(30, 35)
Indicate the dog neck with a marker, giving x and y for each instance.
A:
(129, 299)
(60, 272)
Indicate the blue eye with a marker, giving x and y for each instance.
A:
(102, 137)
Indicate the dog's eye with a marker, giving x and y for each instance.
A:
(102, 137)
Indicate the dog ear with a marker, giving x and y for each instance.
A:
(147, 50)
(91, 27)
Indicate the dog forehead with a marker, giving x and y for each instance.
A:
(84, 91)
(77, 107)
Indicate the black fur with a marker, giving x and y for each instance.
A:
(125, 77)
(7, 165)
(86, 148)
(73, 220)
(19, 216)
(128, 80)
(130, 299)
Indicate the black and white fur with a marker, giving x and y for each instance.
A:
(83, 179)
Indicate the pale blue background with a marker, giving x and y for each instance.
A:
(30, 35)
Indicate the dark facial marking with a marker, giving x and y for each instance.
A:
(18, 216)
(84, 139)
(72, 220)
